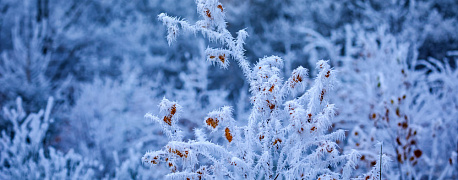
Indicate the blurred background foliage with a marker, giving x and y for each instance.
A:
(107, 63)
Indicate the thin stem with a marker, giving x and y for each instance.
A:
(381, 150)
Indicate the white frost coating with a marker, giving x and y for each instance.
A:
(29, 134)
(213, 26)
(281, 140)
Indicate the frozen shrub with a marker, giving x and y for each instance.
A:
(394, 98)
(24, 155)
(286, 135)
(25, 65)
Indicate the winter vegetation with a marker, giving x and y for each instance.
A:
(225, 89)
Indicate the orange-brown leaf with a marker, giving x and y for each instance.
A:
(228, 134)
(212, 122)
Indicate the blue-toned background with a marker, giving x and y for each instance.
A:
(78, 76)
